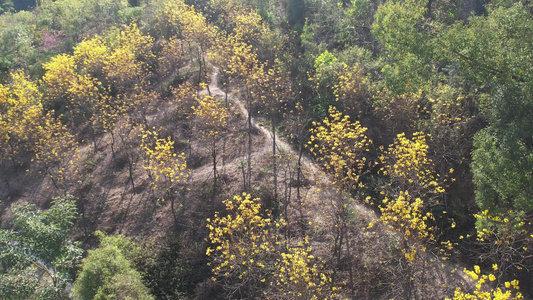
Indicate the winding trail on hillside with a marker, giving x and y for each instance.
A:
(316, 196)
(282, 145)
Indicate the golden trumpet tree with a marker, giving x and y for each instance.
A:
(249, 260)
(407, 164)
(166, 169)
(240, 63)
(172, 56)
(483, 290)
(127, 65)
(192, 28)
(52, 147)
(25, 126)
(243, 246)
(211, 121)
(91, 55)
(20, 112)
(411, 189)
(352, 89)
(340, 145)
(300, 275)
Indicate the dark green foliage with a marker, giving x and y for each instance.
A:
(296, 10)
(170, 269)
(23, 4)
(503, 172)
(496, 54)
(108, 272)
(6, 6)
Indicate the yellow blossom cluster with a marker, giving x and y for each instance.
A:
(166, 168)
(511, 223)
(341, 145)
(243, 241)
(245, 248)
(406, 215)
(52, 147)
(300, 275)
(192, 26)
(211, 117)
(407, 163)
(20, 109)
(100, 80)
(483, 290)
(25, 126)
(171, 56)
(352, 87)
(126, 64)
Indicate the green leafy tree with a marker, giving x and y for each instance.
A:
(399, 28)
(37, 256)
(18, 37)
(108, 272)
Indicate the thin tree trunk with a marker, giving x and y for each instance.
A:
(172, 208)
(249, 166)
(226, 96)
(275, 165)
(243, 177)
(13, 153)
(214, 156)
(349, 255)
(130, 168)
(53, 180)
(299, 171)
(113, 146)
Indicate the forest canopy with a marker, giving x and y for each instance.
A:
(232, 149)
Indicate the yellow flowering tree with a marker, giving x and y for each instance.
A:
(406, 216)
(20, 112)
(352, 89)
(166, 169)
(211, 121)
(484, 289)
(244, 245)
(301, 275)
(411, 187)
(127, 64)
(91, 55)
(25, 127)
(505, 240)
(248, 259)
(171, 57)
(407, 164)
(341, 145)
(52, 149)
(237, 53)
(192, 28)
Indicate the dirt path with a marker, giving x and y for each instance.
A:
(282, 145)
(317, 197)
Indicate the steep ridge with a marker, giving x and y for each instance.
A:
(318, 207)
